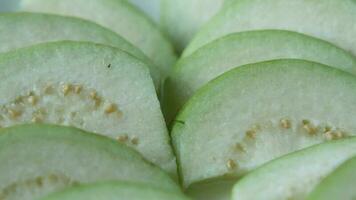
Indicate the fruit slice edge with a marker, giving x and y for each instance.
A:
(337, 185)
(27, 29)
(115, 190)
(326, 20)
(192, 15)
(257, 112)
(93, 87)
(295, 175)
(119, 16)
(219, 56)
(39, 159)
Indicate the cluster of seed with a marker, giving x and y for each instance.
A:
(307, 126)
(327, 132)
(15, 110)
(127, 140)
(37, 182)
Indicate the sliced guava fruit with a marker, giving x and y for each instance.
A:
(115, 190)
(217, 57)
(119, 16)
(93, 87)
(182, 19)
(39, 159)
(295, 175)
(340, 184)
(152, 8)
(258, 112)
(25, 29)
(330, 20)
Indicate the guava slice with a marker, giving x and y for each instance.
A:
(219, 56)
(115, 190)
(92, 87)
(39, 159)
(119, 16)
(330, 20)
(340, 184)
(182, 19)
(25, 29)
(295, 175)
(152, 8)
(258, 112)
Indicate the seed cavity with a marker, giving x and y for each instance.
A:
(48, 89)
(22, 187)
(94, 96)
(251, 134)
(240, 148)
(327, 129)
(134, 140)
(122, 138)
(78, 89)
(32, 100)
(14, 113)
(328, 135)
(36, 119)
(309, 127)
(52, 103)
(66, 88)
(110, 108)
(285, 123)
(230, 164)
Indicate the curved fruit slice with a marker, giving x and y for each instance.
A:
(152, 8)
(212, 60)
(294, 176)
(340, 184)
(39, 159)
(330, 20)
(115, 191)
(93, 87)
(183, 18)
(119, 16)
(258, 112)
(25, 29)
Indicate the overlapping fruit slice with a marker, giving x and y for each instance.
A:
(39, 159)
(340, 184)
(115, 190)
(25, 29)
(152, 8)
(330, 20)
(93, 87)
(294, 176)
(258, 112)
(183, 18)
(217, 57)
(119, 16)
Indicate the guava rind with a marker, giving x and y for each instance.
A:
(26, 29)
(223, 54)
(34, 152)
(108, 76)
(295, 175)
(257, 112)
(119, 16)
(115, 190)
(330, 20)
(182, 19)
(339, 184)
